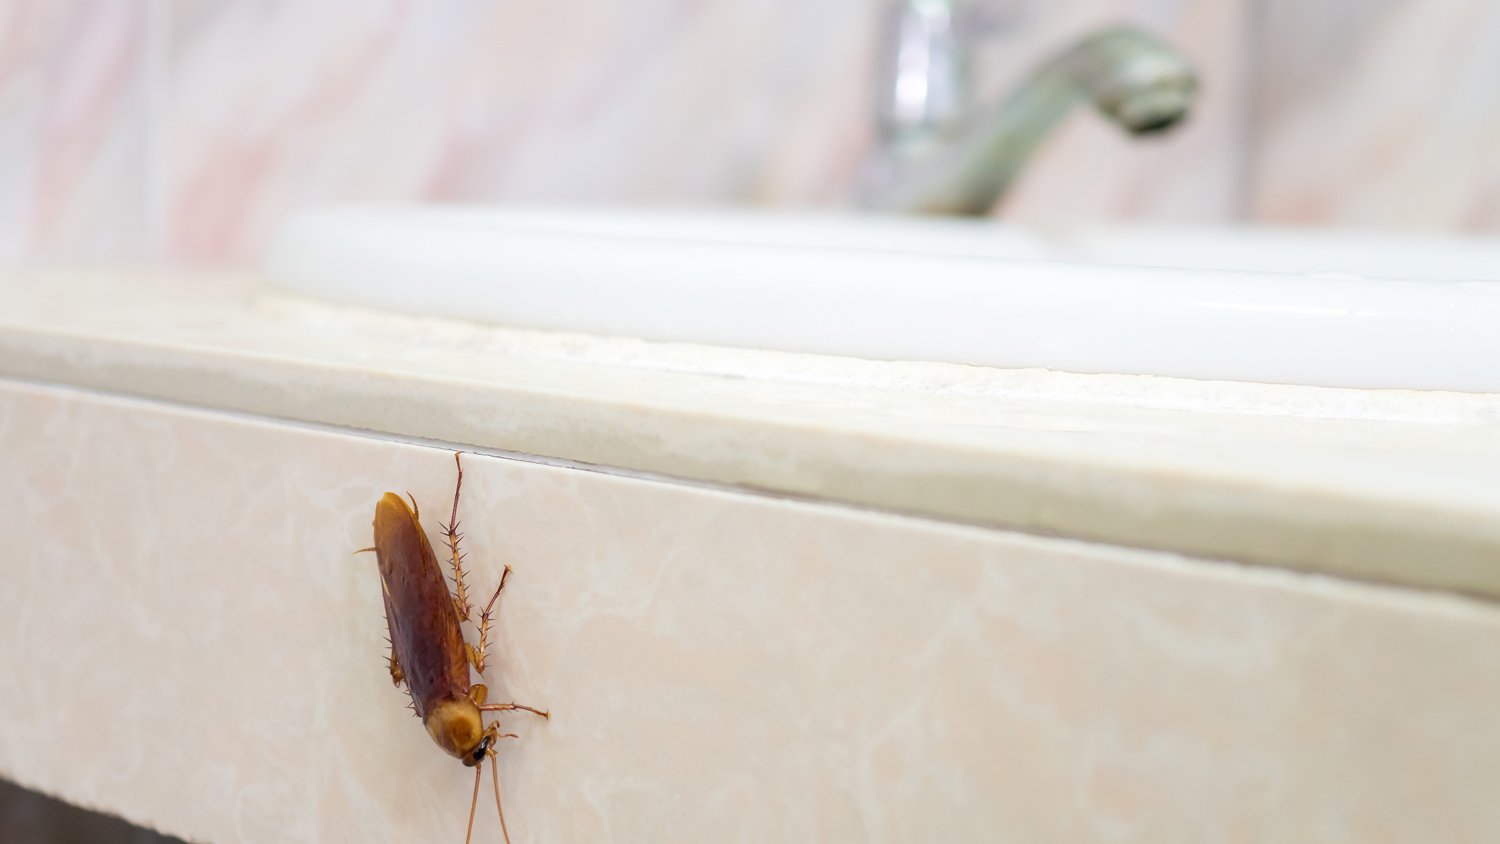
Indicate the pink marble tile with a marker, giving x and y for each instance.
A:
(272, 108)
(1378, 114)
(191, 129)
(73, 127)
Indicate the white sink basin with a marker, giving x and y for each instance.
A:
(1330, 309)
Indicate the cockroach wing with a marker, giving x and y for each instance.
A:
(424, 624)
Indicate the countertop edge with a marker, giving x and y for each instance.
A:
(1332, 534)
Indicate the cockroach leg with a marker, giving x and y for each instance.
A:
(479, 654)
(397, 675)
(451, 534)
(493, 732)
(478, 692)
(512, 707)
(495, 597)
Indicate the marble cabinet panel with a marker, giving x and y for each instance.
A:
(189, 642)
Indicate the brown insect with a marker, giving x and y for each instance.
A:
(428, 650)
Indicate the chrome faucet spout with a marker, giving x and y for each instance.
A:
(963, 163)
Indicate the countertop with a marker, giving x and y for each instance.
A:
(1388, 486)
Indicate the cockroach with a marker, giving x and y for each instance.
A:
(428, 650)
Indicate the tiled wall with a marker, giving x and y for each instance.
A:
(1377, 112)
(188, 129)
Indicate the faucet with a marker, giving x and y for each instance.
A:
(936, 154)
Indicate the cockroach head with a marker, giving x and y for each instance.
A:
(476, 756)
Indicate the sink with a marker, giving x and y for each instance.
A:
(1293, 307)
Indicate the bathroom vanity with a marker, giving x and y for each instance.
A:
(767, 595)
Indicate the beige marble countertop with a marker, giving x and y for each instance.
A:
(1389, 486)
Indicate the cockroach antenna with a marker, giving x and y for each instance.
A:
(474, 804)
(495, 780)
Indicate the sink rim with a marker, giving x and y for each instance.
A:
(661, 276)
